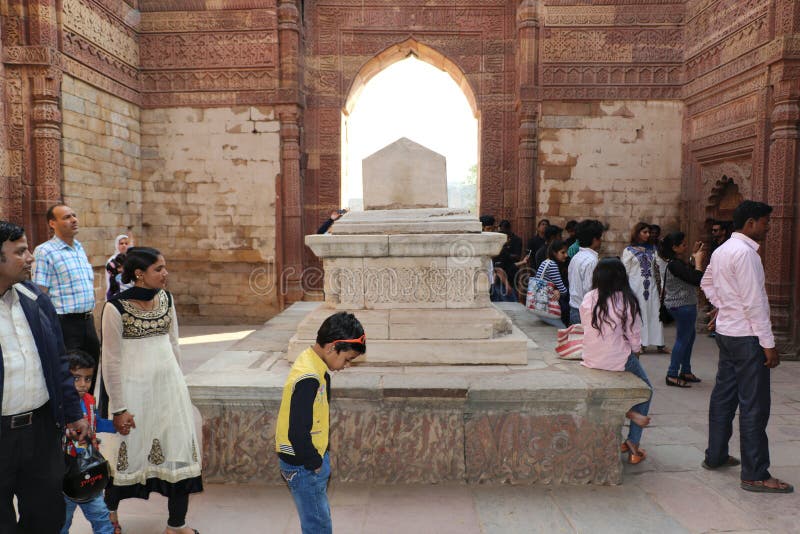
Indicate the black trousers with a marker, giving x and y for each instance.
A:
(177, 505)
(32, 468)
(743, 381)
(79, 333)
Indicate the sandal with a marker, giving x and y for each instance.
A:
(662, 349)
(732, 461)
(117, 527)
(634, 458)
(674, 381)
(760, 486)
(624, 447)
(689, 377)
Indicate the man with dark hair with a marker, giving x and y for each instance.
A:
(734, 284)
(581, 267)
(302, 429)
(720, 232)
(487, 223)
(537, 241)
(63, 271)
(655, 236)
(570, 228)
(552, 233)
(37, 396)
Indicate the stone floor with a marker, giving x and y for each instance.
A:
(669, 492)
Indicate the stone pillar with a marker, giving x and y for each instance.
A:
(289, 208)
(781, 250)
(527, 52)
(290, 199)
(46, 146)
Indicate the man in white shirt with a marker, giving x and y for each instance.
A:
(581, 266)
(734, 284)
(37, 395)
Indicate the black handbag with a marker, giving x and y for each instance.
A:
(86, 474)
(663, 312)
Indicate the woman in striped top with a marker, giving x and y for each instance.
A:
(549, 270)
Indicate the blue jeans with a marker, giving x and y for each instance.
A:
(309, 490)
(743, 381)
(94, 511)
(574, 315)
(634, 366)
(680, 361)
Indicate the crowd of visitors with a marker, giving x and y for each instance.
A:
(622, 304)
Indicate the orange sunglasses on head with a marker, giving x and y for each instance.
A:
(362, 340)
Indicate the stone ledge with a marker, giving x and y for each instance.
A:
(546, 422)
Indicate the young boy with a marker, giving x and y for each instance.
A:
(81, 365)
(301, 437)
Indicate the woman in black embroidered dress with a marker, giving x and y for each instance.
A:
(147, 393)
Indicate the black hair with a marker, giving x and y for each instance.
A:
(749, 209)
(554, 247)
(571, 225)
(486, 220)
(138, 258)
(505, 224)
(79, 359)
(552, 231)
(589, 230)
(51, 216)
(341, 325)
(610, 278)
(9, 232)
(543, 221)
(671, 240)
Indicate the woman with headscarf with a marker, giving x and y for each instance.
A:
(114, 266)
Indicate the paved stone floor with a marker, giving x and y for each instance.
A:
(669, 492)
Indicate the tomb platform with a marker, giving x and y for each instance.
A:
(418, 280)
(546, 421)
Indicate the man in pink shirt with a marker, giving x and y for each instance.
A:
(734, 284)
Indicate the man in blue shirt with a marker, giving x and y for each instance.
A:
(64, 273)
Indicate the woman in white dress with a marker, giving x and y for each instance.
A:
(639, 259)
(148, 397)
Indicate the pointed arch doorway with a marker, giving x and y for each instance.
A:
(411, 90)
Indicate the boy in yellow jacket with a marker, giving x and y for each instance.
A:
(301, 437)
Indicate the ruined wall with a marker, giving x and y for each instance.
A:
(208, 203)
(616, 161)
(101, 166)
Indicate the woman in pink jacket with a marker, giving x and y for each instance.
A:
(612, 327)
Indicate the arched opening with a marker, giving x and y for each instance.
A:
(411, 91)
(724, 198)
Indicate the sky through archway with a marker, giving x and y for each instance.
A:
(412, 99)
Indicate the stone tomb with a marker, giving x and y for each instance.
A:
(404, 175)
(418, 281)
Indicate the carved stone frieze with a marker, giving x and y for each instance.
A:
(715, 176)
(146, 6)
(209, 80)
(725, 93)
(722, 138)
(610, 93)
(29, 55)
(725, 117)
(257, 19)
(208, 50)
(613, 15)
(733, 46)
(86, 52)
(619, 74)
(95, 25)
(206, 99)
(714, 24)
(612, 45)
